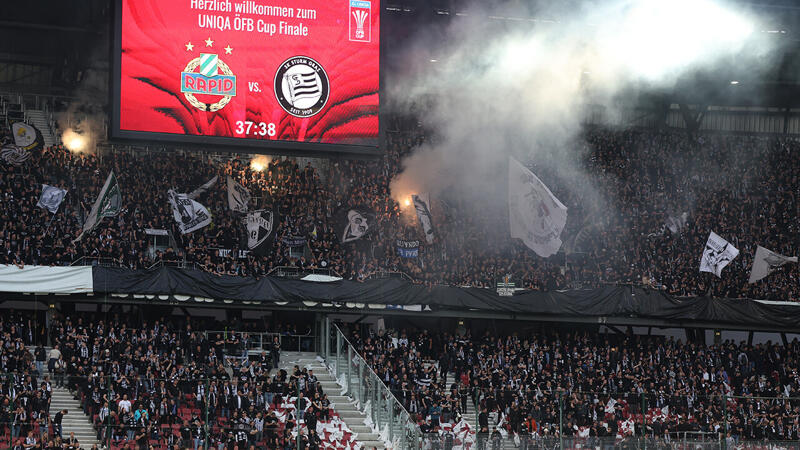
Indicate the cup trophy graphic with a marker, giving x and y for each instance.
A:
(360, 15)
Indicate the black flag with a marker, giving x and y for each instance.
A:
(354, 223)
(261, 226)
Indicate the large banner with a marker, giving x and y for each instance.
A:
(535, 214)
(53, 280)
(277, 70)
(422, 205)
(407, 249)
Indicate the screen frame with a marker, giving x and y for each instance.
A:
(231, 144)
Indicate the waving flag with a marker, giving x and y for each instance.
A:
(717, 254)
(261, 226)
(108, 204)
(422, 205)
(238, 196)
(27, 136)
(189, 214)
(14, 155)
(51, 198)
(766, 262)
(202, 189)
(354, 223)
(535, 215)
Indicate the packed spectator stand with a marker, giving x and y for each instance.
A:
(742, 187)
(158, 387)
(587, 388)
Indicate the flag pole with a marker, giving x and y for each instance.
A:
(50, 222)
(58, 208)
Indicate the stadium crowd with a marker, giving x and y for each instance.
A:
(155, 386)
(600, 386)
(743, 188)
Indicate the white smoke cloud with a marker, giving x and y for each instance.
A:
(83, 122)
(519, 87)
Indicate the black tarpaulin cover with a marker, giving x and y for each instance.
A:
(618, 301)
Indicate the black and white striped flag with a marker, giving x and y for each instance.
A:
(303, 85)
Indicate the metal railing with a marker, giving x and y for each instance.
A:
(178, 263)
(495, 441)
(384, 274)
(263, 341)
(297, 272)
(96, 261)
(392, 421)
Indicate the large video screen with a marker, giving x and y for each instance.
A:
(295, 74)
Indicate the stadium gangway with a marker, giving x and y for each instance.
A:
(359, 382)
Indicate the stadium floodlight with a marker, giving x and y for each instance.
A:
(734, 82)
(655, 38)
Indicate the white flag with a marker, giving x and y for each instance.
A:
(189, 214)
(204, 187)
(676, 223)
(717, 254)
(766, 262)
(535, 214)
(51, 198)
(609, 409)
(238, 196)
(422, 205)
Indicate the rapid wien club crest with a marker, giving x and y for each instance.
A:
(207, 74)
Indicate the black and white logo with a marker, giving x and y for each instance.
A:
(357, 226)
(24, 134)
(259, 227)
(301, 86)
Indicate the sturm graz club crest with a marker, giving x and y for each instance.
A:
(301, 86)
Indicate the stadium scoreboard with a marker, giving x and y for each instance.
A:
(265, 74)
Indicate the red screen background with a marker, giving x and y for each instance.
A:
(154, 38)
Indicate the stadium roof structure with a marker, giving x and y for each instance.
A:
(771, 80)
(49, 47)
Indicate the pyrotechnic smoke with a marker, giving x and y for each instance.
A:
(259, 162)
(74, 141)
(83, 123)
(502, 88)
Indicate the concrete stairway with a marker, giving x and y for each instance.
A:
(75, 420)
(341, 404)
(39, 119)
